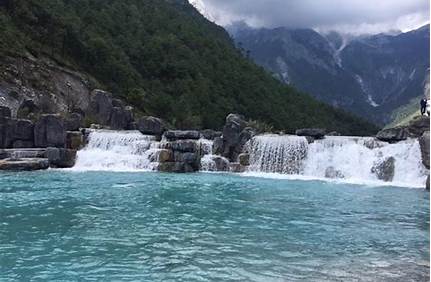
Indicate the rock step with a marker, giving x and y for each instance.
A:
(24, 164)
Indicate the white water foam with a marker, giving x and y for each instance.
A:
(351, 158)
(117, 151)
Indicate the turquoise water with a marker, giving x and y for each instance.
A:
(64, 226)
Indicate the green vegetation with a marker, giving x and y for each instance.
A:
(165, 59)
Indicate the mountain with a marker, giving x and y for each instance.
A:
(161, 56)
(368, 75)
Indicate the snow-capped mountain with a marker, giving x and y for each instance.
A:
(368, 75)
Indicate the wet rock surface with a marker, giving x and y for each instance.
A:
(392, 135)
(316, 133)
(385, 170)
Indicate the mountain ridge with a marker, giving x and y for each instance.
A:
(369, 75)
(165, 59)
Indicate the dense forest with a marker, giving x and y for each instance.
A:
(165, 59)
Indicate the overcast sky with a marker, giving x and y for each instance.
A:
(353, 16)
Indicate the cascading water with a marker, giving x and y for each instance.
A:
(277, 154)
(117, 151)
(209, 161)
(348, 158)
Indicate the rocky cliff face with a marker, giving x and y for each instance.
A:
(41, 85)
(369, 75)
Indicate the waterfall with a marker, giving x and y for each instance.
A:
(117, 151)
(277, 154)
(350, 158)
(209, 161)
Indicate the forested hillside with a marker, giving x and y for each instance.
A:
(164, 58)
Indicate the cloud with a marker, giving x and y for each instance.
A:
(356, 16)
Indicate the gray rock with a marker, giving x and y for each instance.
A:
(23, 130)
(100, 106)
(182, 135)
(118, 103)
(333, 133)
(74, 122)
(176, 167)
(392, 135)
(234, 136)
(49, 132)
(6, 133)
(61, 158)
(28, 109)
(231, 131)
(20, 153)
(244, 159)
(24, 164)
(237, 168)
(210, 134)
(163, 156)
(331, 172)
(418, 126)
(218, 146)
(23, 144)
(151, 126)
(316, 133)
(120, 119)
(424, 142)
(216, 163)
(191, 159)
(385, 170)
(184, 146)
(74, 140)
(5, 112)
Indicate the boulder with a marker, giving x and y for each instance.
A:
(61, 158)
(316, 133)
(49, 132)
(120, 119)
(5, 112)
(100, 107)
(210, 134)
(331, 172)
(333, 133)
(118, 103)
(23, 130)
(418, 126)
(244, 159)
(181, 135)
(245, 135)
(231, 131)
(74, 122)
(6, 133)
(392, 135)
(385, 169)
(191, 159)
(237, 168)
(28, 109)
(190, 146)
(151, 126)
(25, 164)
(163, 156)
(218, 146)
(214, 163)
(424, 142)
(74, 140)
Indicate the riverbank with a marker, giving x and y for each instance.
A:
(120, 142)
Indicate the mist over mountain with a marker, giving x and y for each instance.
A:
(370, 75)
